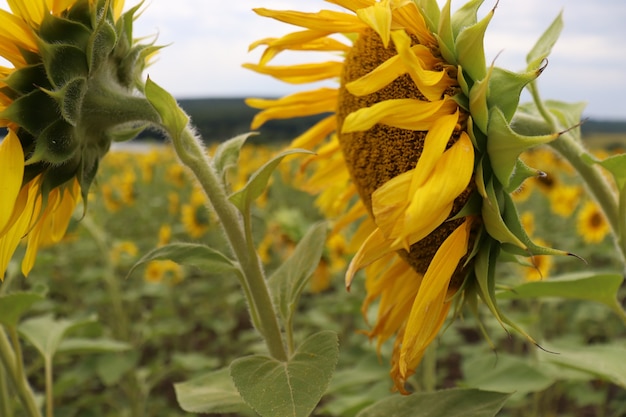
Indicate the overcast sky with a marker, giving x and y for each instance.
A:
(209, 42)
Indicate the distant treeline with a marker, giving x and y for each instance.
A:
(218, 119)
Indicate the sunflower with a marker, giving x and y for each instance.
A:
(591, 223)
(417, 145)
(70, 90)
(194, 215)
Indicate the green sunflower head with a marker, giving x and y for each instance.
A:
(73, 89)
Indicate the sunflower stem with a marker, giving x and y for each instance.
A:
(9, 360)
(192, 154)
(595, 181)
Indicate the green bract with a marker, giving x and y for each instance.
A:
(491, 96)
(78, 93)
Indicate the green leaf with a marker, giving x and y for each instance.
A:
(288, 389)
(590, 286)
(172, 117)
(604, 361)
(290, 279)
(469, 44)
(45, 333)
(102, 345)
(193, 254)
(12, 306)
(227, 153)
(544, 45)
(110, 368)
(505, 373)
(243, 198)
(449, 403)
(212, 393)
(615, 164)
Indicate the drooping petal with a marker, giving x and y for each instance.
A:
(300, 74)
(324, 20)
(431, 304)
(296, 105)
(11, 175)
(378, 17)
(403, 113)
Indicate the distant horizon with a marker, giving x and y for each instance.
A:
(243, 97)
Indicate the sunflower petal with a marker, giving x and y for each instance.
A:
(430, 307)
(11, 172)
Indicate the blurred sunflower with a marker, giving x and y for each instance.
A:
(420, 130)
(591, 223)
(70, 90)
(194, 215)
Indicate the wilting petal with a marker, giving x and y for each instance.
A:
(378, 17)
(428, 311)
(403, 113)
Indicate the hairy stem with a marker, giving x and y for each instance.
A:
(192, 154)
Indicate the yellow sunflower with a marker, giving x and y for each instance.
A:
(591, 223)
(420, 131)
(70, 90)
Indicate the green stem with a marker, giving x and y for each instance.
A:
(5, 406)
(595, 180)
(192, 154)
(49, 385)
(16, 374)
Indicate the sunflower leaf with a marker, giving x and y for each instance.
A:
(210, 393)
(12, 306)
(193, 254)
(589, 286)
(45, 332)
(289, 280)
(258, 181)
(450, 403)
(227, 153)
(290, 389)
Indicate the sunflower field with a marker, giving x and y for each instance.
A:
(121, 344)
(427, 247)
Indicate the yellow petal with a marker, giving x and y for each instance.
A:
(378, 17)
(401, 113)
(306, 103)
(31, 11)
(325, 20)
(353, 5)
(449, 179)
(11, 173)
(373, 248)
(434, 146)
(378, 78)
(307, 40)
(428, 311)
(316, 134)
(300, 74)
(409, 17)
(18, 228)
(431, 84)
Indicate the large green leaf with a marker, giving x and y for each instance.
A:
(257, 183)
(288, 389)
(210, 393)
(12, 306)
(590, 286)
(448, 403)
(289, 280)
(192, 254)
(604, 361)
(45, 333)
(504, 373)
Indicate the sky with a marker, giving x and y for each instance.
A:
(208, 42)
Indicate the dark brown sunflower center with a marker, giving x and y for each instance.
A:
(383, 152)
